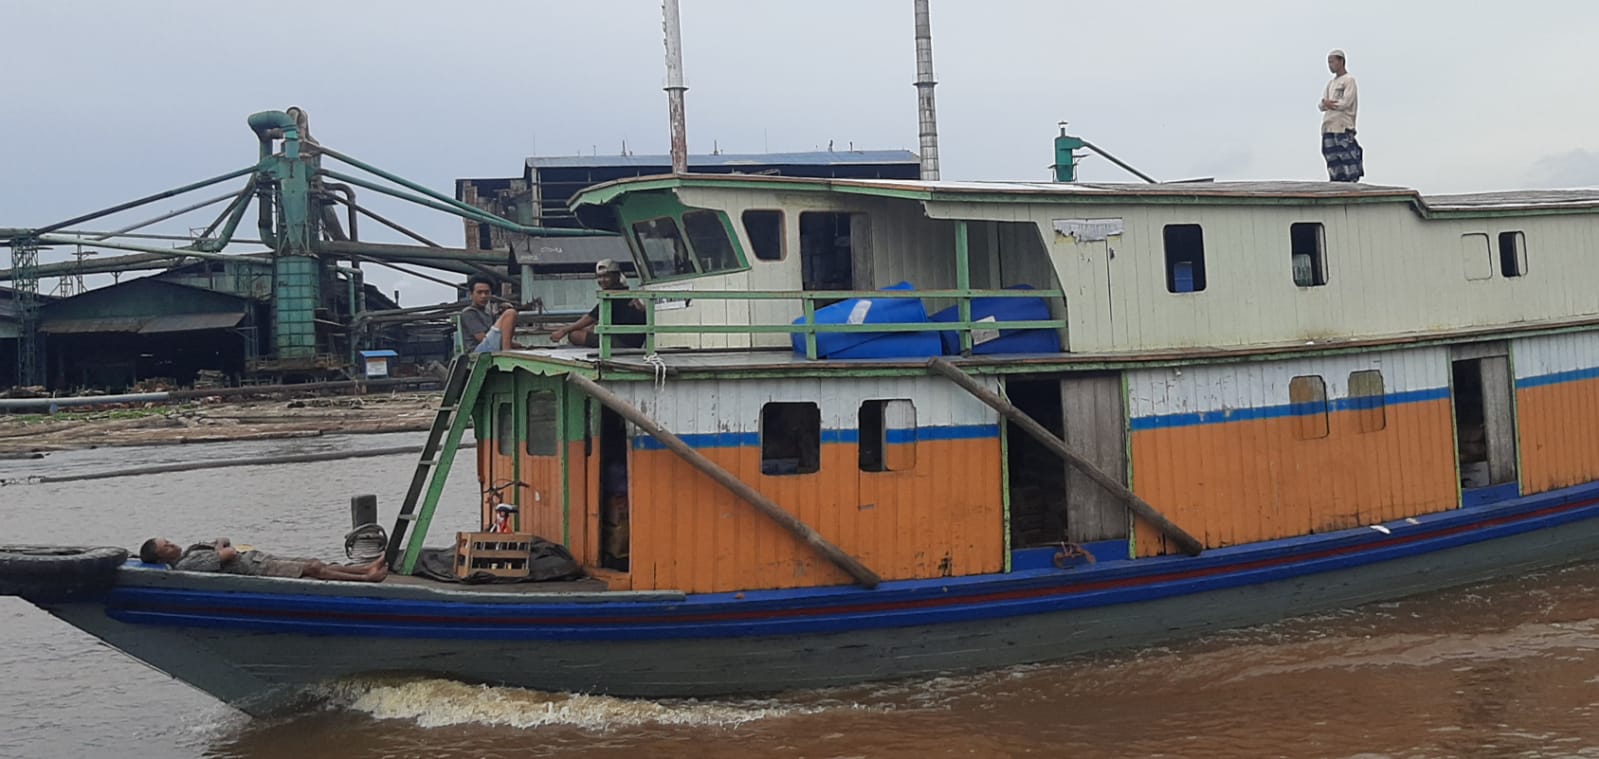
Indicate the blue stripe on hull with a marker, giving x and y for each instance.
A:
(752, 439)
(1165, 421)
(1574, 375)
(835, 610)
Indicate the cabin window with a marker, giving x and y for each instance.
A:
(1367, 401)
(1512, 254)
(505, 429)
(791, 438)
(542, 434)
(662, 247)
(1185, 258)
(485, 240)
(1475, 256)
(765, 230)
(828, 246)
(1307, 242)
(708, 236)
(887, 436)
(1307, 404)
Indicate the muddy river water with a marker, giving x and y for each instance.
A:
(1506, 669)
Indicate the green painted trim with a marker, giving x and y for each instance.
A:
(1127, 448)
(637, 207)
(441, 470)
(813, 295)
(1004, 481)
(963, 283)
(1065, 363)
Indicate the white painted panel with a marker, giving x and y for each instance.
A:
(1217, 388)
(711, 406)
(1539, 356)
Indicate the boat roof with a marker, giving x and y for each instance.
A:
(999, 191)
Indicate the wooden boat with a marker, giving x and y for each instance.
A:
(1137, 412)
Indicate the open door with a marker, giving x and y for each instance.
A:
(1485, 422)
(610, 458)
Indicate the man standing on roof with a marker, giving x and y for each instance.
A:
(485, 326)
(629, 312)
(1339, 103)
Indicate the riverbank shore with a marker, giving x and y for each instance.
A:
(210, 420)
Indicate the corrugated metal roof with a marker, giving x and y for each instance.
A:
(191, 322)
(810, 158)
(84, 326)
(143, 325)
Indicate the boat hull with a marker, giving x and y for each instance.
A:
(258, 648)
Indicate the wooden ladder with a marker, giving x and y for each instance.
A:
(433, 468)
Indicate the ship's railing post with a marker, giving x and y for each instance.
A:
(810, 327)
(963, 283)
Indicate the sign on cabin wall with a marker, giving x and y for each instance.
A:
(1089, 230)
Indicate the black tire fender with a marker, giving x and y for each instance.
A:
(59, 561)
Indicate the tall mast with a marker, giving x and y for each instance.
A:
(675, 86)
(926, 109)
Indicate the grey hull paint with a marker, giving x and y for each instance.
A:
(260, 673)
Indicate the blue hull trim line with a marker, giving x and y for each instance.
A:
(753, 439)
(1575, 375)
(1223, 416)
(842, 609)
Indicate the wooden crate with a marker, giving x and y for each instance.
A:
(496, 553)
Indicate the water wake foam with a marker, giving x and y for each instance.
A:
(442, 703)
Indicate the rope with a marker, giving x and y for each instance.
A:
(659, 364)
(365, 544)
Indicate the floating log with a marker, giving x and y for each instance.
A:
(297, 458)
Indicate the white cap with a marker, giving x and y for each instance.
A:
(606, 266)
(1337, 52)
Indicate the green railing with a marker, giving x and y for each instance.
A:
(965, 326)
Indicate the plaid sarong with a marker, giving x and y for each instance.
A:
(1345, 159)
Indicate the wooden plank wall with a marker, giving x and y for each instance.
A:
(1223, 453)
(944, 517)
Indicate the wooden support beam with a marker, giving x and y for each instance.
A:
(1139, 506)
(866, 577)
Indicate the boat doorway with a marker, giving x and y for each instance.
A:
(1050, 501)
(1037, 477)
(615, 505)
(1485, 426)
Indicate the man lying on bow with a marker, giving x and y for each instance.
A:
(221, 556)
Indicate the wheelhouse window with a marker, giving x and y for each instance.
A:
(828, 244)
(1475, 257)
(1512, 254)
(1366, 399)
(542, 435)
(1307, 243)
(662, 246)
(791, 438)
(765, 232)
(887, 435)
(1307, 403)
(707, 235)
(1185, 258)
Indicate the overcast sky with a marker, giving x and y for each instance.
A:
(107, 101)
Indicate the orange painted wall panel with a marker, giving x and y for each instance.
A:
(539, 497)
(1246, 481)
(1559, 427)
(943, 518)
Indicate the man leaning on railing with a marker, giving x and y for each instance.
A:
(628, 312)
